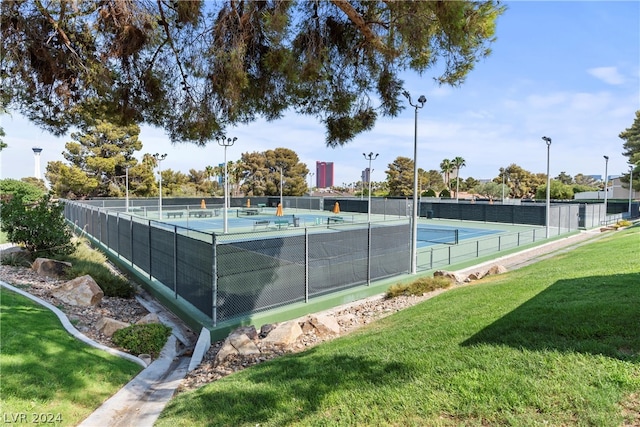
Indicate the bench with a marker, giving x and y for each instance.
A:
(174, 214)
(262, 222)
(262, 205)
(335, 219)
(281, 223)
(200, 213)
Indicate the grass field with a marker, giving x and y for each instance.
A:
(555, 343)
(47, 376)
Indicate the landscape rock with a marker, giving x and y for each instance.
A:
(50, 267)
(82, 291)
(149, 318)
(497, 269)
(450, 275)
(109, 326)
(285, 334)
(477, 275)
(325, 325)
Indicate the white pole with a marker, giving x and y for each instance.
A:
(159, 158)
(225, 142)
(606, 185)
(630, 187)
(370, 157)
(548, 209)
(414, 216)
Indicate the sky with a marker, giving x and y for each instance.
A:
(567, 70)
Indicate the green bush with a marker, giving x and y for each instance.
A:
(86, 260)
(445, 194)
(40, 228)
(418, 287)
(142, 339)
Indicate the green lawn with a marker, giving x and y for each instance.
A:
(45, 371)
(555, 343)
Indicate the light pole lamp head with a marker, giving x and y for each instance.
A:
(547, 140)
(422, 99)
(606, 158)
(160, 157)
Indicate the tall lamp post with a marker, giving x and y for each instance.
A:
(159, 158)
(225, 142)
(414, 217)
(548, 209)
(311, 174)
(630, 188)
(504, 174)
(281, 179)
(369, 157)
(606, 185)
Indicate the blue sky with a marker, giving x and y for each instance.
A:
(567, 70)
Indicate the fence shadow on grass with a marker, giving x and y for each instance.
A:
(593, 315)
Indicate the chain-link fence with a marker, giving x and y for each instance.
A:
(226, 276)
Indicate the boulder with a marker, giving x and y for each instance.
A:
(108, 326)
(325, 325)
(149, 318)
(449, 275)
(497, 269)
(238, 343)
(82, 291)
(50, 267)
(284, 334)
(477, 275)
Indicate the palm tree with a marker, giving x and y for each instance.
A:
(446, 167)
(458, 162)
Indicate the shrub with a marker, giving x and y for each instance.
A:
(418, 287)
(40, 228)
(86, 260)
(142, 339)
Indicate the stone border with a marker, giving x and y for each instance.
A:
(72, 330)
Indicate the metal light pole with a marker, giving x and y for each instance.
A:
(504, 175)
(159, 158)
(225, 142)
(281, 187)
(630, 187)
(548, 210)
(370, 157)
(606, 184)
(311, 174)
(414, 217)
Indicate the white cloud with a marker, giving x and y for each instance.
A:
(609, 75)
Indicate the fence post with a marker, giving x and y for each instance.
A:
(175, 261)
(117, 232)
(150, 251)
(369, 254)
(214, 280)
(131, 238)
(306, 264)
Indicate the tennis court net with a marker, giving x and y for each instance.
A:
(438, 235)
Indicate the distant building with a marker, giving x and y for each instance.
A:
(324, 174)
(366, 175)
(36, 156)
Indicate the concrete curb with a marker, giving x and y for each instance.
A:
(72, 330)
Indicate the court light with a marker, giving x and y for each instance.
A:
(606, 184)
(159, 158)
(414, 216)
(370, 157)
(548, 208)
(225, 142)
